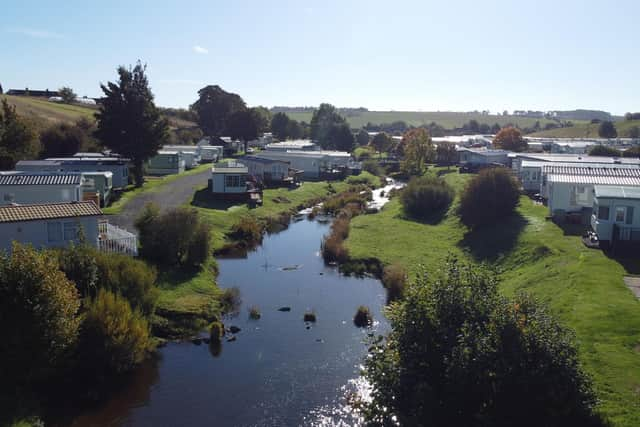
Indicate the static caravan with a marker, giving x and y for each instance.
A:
(49, 225)
(572, 146)
(211, 153)
(314, 164)
(474, 158)
(166, 163)
(298, 144)
(190, 154)
(271, 171)
(616, 213)
(119, 167)
(229, 180)
(101, 183)
(43, 187)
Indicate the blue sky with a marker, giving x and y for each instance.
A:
(384, 55)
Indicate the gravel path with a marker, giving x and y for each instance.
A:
(168, 196)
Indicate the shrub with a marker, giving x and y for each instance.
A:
(425, 196)
(358, 195)
(114, 337)
(230, 300)
(394, 278)
(363, 317)
(365, 178)
(216, 331)
(309, 316)
(175, 238)
(248, 229)
(78, 263)
(254, 313)
(373, 167)
(490, 196)
(603, 150)
(461, 354)
(38, 317)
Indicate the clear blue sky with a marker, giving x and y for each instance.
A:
(401, 55)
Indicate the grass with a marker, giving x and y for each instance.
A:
(587, 130)
(583, 287)
(447, 119)
(151, 184)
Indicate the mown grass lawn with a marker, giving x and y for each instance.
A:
(583, 287)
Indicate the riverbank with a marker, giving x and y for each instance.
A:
(583, 287)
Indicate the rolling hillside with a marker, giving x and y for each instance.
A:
(447, 119)
(587, 130)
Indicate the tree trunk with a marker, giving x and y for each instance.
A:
(138, 172)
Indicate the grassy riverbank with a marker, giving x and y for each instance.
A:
(583, 287)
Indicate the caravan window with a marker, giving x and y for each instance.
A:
(232, 181)
(54, 231)
(603, 213)
(70, 231)
(621, 213)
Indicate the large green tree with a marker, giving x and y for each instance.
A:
(341, 138)
(214, 107)
(607, 130)
(362, 138)
(417, 149)
(460, 354)
(279, 125)
(510, 138)
(18, 140)
(381, 142)
(129, 123)
(324, 120)
(244, 125)
(67, 94)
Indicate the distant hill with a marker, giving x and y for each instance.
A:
(358, 118)
(583, 115)
(587, 130)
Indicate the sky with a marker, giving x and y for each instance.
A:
(448, 55)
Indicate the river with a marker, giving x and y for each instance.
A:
(280, 371)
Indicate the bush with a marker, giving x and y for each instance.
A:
(254, 313)
(78, 263)
(394, 279)
(365, 178)
(373, 167)
(38, 317)
(363, 317)
(490, 196)
(114, 337)
(353, 196)
(603, 150)
(426, 196)
(460, 354)
(130, 278)
(175, 238)
(248, 230)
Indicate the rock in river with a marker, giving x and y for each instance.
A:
(284, 309)
(234, 329)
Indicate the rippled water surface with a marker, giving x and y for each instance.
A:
(279, 371)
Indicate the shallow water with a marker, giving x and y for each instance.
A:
(280, 371)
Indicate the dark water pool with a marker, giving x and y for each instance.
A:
(277, 372)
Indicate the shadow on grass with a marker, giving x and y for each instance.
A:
(491, 242)
(626, 256)
(572, 229)
(446, 171)
(204, 199)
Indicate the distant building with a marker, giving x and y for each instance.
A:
(40, 187)
(474, 158)
(33, 92)
(271, 171)
(316, 164)
(297, 144)
(166, 163)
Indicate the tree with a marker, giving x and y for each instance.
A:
(1, 90)
(279, 125)
(67, 94)
(417, 149)
(18, 140)
(244, 125)
(510, 138)
(214, 107)
(323, 122)
(603, 150)
(129, 123)
(62, 140)
(473, 126)
(342, 138)
(607, 129)
(460, 354)
(489, 197)
(362, 138)
(634, 132)
(446, 153)
(381, 142)
(38, 322)
(264, 118)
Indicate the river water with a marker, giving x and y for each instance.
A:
(279, 371)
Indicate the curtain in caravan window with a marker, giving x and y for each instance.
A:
(629, 215)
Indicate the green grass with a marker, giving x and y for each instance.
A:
(448, 119)
(44, 112)
(151, 184)
(582, 286)
(587, 130)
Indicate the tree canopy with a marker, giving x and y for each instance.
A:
(381, 142)
(417, 149)
(129, 123)
(446, 153)
(323, 123)
(607, 129)
(18, 140)
(214, 107)
(67, 94)
(460, 354)
(489, 197)
(362, 138)
(244, 125)
(510, 138)
(341, 138)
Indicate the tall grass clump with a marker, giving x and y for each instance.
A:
(426, 196)
(363, 317)
(394, 279)
(248, 230)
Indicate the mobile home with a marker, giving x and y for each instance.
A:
(616, 213)
(271, 171)
(101, 183)
(314, 164)
(229, 180)
(119, 167)
(166, 163)
(43, 187)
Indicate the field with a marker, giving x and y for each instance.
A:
(447, 119)
(582, 286)
(587, 130)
